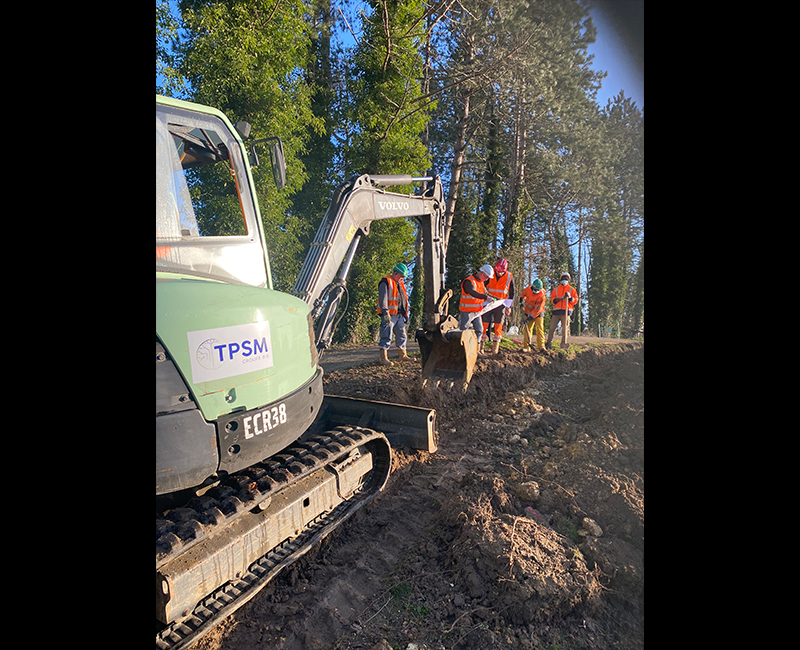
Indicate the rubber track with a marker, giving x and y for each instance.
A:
(183, 527)
(224, 504)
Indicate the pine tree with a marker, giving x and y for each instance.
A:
(616, 292)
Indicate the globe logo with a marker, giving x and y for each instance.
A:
(205, 355)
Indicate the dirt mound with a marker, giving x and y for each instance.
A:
(524, 530)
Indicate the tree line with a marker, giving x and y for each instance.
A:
(496, 96)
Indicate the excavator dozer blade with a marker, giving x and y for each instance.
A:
(409, 426)
(448, 358)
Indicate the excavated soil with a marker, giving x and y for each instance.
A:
(525, 529)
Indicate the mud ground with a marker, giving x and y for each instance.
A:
(525, 529)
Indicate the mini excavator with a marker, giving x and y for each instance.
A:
(254, 464)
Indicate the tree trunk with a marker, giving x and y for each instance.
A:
(459, 146)
(456, 166)
(511, 230)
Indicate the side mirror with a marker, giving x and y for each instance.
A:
(276, 158)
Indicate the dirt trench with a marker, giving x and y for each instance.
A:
(525, 529)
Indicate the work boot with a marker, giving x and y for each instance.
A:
(385, 358)
(402, 355)
(495, 348)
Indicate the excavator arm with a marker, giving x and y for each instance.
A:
(356, 204)
(447, 353)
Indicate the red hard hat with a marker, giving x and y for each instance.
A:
(501, 266)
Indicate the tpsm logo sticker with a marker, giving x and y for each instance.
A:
(229, 351)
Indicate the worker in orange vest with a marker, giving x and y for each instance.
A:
(393, 310)
(533, 299)
(500, 287)
(564, 298)
(473, 297)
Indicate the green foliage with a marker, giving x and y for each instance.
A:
(417, 297)
(400, 592)
(168, 79)
(608, 284)
(386, 92)
(634, 306)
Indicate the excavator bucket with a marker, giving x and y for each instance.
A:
(448, 357)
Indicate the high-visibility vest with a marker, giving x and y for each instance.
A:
(564, 297)
(534, 301)
(394, 295)
(469, 303)
(499, 287)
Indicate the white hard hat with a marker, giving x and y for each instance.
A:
(488, 270)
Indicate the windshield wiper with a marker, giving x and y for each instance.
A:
(202, 150)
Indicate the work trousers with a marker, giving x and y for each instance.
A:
(396, 326)
(557, 317)
(476, 324)
(528, 329)
(495, 318)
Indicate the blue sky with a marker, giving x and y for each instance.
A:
(620, 32)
